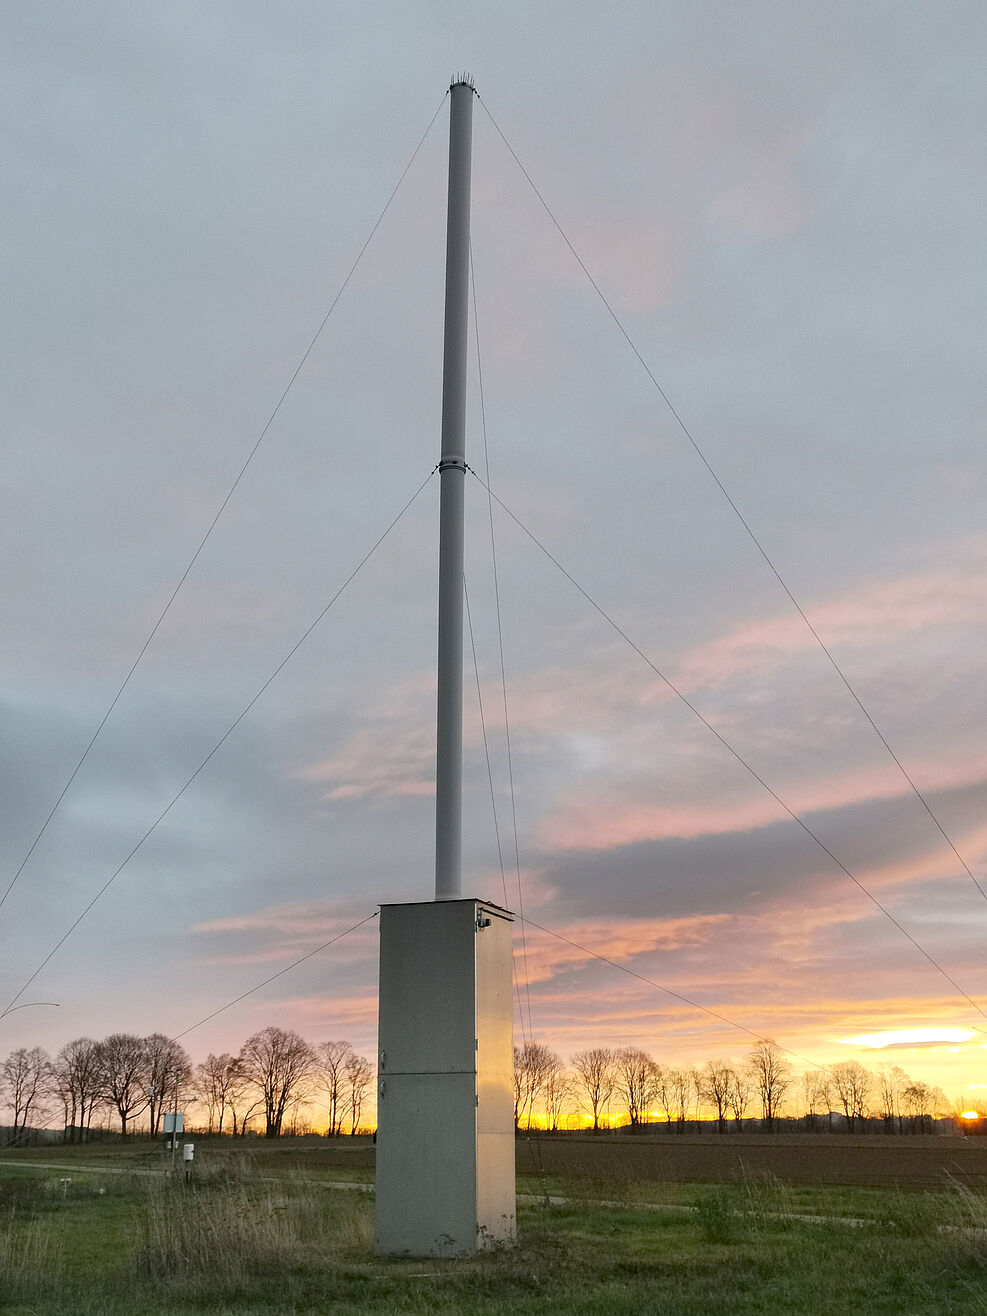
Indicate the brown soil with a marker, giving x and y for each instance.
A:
(829, 1158)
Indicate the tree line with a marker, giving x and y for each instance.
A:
(274, 1075)
(630, 1083)
(277, 1074)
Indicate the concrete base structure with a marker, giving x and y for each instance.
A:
(445, 1087)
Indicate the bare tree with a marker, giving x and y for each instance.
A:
(596, 1071)
(664, 1079)
(739, 1097)
(532, 1063)
(358, 1074)
(330, 1063)
(239, 1092)
(215, 1080)
(917, 1099)
(296, 1122)
(891, 1084)
(277, 1061)
(25, 1079)
(76, 1081)
(168, 1069)
(558, 1088)
(124, 1071)
(816, 1096)
(713, 1082)
(685, 1087)
(853, 1084)
(636, 1075)
(924, 1103)
(772, 1077)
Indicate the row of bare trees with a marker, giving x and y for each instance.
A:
(122, 1073)
(278, 1072)
(632, 1082)
(137, 1078)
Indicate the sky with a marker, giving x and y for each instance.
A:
(783, 205)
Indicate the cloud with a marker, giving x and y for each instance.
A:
(543, 956)
(332, 1017)
(639, 266)
(888, 841)
(873, 615)
(392, 754)
(286, 932)
(606, 825)
(911, 1037)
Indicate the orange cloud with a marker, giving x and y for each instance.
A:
(616, 939)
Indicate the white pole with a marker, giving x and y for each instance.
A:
(452, 476)
(174, 1126)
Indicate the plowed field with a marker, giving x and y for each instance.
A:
(861, 1160)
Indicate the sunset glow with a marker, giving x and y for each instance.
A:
(911, 1037)
(661, 767)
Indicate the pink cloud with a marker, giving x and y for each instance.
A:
(588, 822)
(307, 920)
(536, 892)
(285, 933)
(543, 956)
(878, 614)
(335, 1014)
(391, 755)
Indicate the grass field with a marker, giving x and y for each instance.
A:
(264, 1233)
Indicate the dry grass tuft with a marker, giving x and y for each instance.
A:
(225, 1237)
(31, 1255)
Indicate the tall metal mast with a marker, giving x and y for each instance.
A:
(452, 477)
(444, 1187)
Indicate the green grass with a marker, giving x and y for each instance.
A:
(238, 1240)
(844, 1202)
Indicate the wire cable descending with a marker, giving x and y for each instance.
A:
(500, 646)
(493, 795)
(280, 973)
(529, 1037)
(222, 740)
(748, 767)
(851, 690)
(486, 745)
(222, 508)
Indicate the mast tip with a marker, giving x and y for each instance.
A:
(463, 80)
